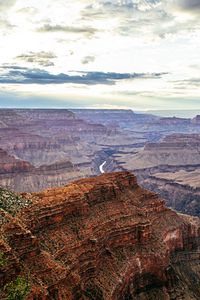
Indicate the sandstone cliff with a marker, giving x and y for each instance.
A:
(100, 238)
(20, 176)
(178, 186)
(170, 167)
(59, 146)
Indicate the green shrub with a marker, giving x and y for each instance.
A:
(18, 289)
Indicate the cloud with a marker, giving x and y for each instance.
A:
(88, 59)
(4, 24)
(5, 4)
(42, 58)
(28, 10)
(190, 5)
(103, 10)
(68, 29)
(19, 75)
(147, 19)
(187, 83)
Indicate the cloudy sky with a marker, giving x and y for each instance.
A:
(139, 54)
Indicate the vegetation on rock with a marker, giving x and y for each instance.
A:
(18, 289)
(12, 202)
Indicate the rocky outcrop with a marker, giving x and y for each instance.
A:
(173, 150)
(9, 164)
(21, 176)
(101, 238)
(45, 148)
(171, 168)
(49, 140)
(45, 136)
(178, 186)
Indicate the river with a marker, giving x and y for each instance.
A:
(101, 167)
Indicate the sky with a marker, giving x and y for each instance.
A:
(139, 54)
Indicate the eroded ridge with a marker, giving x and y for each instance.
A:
(101, 238)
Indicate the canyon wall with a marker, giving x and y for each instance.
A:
(21, 176)
(43, 148)
(54, 147)
(102, 238)
(170, 167)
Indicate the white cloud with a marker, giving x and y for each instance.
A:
(4, 4)
(139, 36)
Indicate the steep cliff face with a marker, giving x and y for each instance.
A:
(179, 187)
(51, 139)
(100, 238)
(21, 176)
(170, 167)
(175, 150)
(9, 164)
(46, 136)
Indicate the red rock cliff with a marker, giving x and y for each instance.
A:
(100, 238)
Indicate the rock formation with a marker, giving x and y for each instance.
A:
(58, 146)
(21, 176)
(120, 118)
(175, 150)
(10, 165)
(170, 167)
(178, 186)
(173, 121)
(43, 148)
(102, 238)
(196, 120)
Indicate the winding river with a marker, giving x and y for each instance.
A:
(101, 167)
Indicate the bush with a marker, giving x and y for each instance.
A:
(18, 289)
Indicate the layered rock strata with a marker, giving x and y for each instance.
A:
(171, 168)
(21, 176)
(101, 238)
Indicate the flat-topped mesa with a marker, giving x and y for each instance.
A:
(113, 117)
(176, 141)
(103, 237)
(59, 120)
(46, 114)
(173, 121)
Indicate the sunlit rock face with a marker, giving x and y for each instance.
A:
(171, 168)
(100, 238)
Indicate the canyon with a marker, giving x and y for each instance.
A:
(56, 146)
(171, 168)
(102, 238)
(44, 148)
